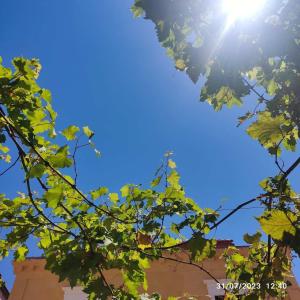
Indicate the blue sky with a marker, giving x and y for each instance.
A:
(106, 69)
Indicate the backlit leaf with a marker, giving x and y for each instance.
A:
(277, 222)
(267, 130)
(171, 164)
(114, 197)
(88, 132)
(54, 196)
(99, 192)
(70, 132)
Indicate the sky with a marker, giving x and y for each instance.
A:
(107, 70)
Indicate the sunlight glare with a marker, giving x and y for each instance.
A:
(241, 9)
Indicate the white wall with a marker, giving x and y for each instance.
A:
(212, 288)
(74, 294)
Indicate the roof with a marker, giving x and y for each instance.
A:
(224, 243)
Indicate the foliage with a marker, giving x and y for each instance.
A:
(84, 234)
(251, 59)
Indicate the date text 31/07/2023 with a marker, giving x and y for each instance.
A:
(250, 285)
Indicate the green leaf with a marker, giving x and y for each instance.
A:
(99, 192)
(38, 120)
(4, 149)
(132, 280)
(46, 94)
(114, 197)
(272, 87)
(37, 171)
(137, 11)
(237, 258)
(45, 240)
(244, 118)
(61, 159)
(180, 64)
(266, 184)
(145, 284)
(171, 164)
(125, 191)
(251, 239)
(278, 222)
(20, 253)
(54, 196)
(70, 132)
(173, 179)
(156, 181)
(51, 112)
(88, 132)
(202, 248)
(4, 72)
(96, 289)
(267, 130)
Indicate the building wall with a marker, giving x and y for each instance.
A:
(33, 282)
(168, 278)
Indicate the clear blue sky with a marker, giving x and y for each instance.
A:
(107, 70)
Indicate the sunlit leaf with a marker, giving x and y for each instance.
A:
(54, 196)
(70, 132)
(277, 222)
(88, 132)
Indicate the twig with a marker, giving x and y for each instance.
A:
(105, 281)
(219, 222)
(261, 96)
(290, 169)
(47, 164)
(74, 160)
(22, 156)
(190, 263)
(10, 167)
(269, 236)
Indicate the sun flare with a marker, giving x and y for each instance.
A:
(241, 9)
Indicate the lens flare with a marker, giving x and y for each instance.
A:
(241, 9)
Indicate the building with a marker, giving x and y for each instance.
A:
(168, 278)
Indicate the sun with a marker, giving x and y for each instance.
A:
(242, 9)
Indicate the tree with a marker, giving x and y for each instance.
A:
(100, 230)
(256, 56)
(83, 234)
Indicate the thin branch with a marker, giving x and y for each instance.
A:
(277, 163)
(244, 208)
(72, 216)
(215, 225)
(105, 281)
(290, 170)
(43, 186)
(269, 236)
(238, 208)
(74, 160)
(10, 167)
(190, 263)
(285, 175)
(83, 145)
(252, 88)
(276, 153)
(47, 164)
(39, 210)
(27, 181)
